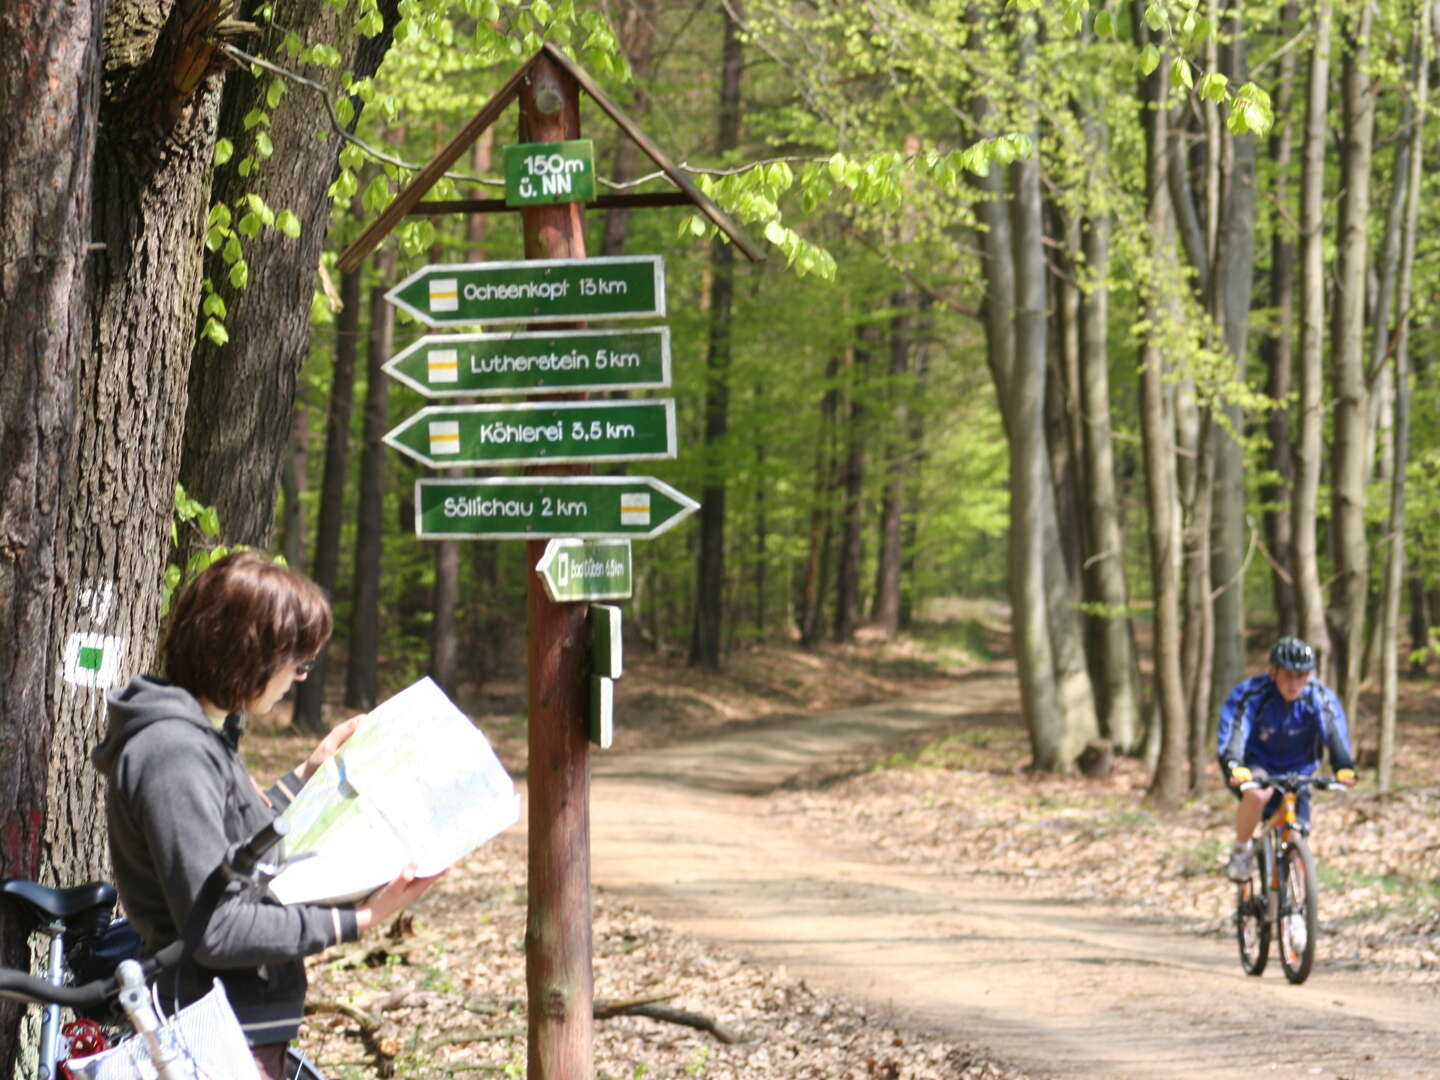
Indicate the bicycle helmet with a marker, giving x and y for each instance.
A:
(1292, 654)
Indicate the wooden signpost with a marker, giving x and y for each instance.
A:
(574, 646)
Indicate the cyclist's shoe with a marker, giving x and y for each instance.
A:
(1242, 861)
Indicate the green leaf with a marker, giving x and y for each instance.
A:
(1104, 24)
(255, 117)
(1180, 73)
(215, 332)
(214, 305)
(209, 521)
(1213, 85)
(776, 233)
(249, 225)
(264, 147)
(240, 274)
(1155, 18)
(224, 151)
(288, 224)
(1149, 60)
(274, 92)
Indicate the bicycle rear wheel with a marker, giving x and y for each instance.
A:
(1252, 928)
(299, 1067)
(1299, 921)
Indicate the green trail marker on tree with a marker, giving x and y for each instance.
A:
(574, 570)
(446, 365)
(533, 508)
(550, 172)
(534, 290)
(538, 432)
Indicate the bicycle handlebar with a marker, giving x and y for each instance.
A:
(240, 861)
(1294, 782)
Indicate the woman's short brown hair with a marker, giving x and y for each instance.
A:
(238, 623)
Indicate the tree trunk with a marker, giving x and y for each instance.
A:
(292, 484)
(1168, 784)
(45, 229)
(1111, 645)
(1276, 351)
(705, 643)
(309, 714)
(852, 485)
(817, 562)
(361, 678)
(1305, 562)
(1231, 288)
(1395, 568)
(885, 604)
(636, 31)
(242, 393)
(1350, 452)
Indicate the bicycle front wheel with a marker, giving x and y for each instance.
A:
(1252, 928)
(299, 1067)
(1299, 921)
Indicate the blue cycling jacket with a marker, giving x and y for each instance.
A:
(1259, 727)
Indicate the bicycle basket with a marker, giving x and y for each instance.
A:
(208, 1037)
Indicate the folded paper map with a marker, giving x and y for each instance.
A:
(417, 783)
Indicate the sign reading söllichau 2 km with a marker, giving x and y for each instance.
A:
(534, 290)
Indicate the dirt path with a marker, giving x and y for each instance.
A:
(1061, 990)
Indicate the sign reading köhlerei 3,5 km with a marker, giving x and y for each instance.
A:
(527, 508)
(446, 365)
(538, 432)
(534, 290)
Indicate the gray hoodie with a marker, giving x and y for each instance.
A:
(178, 797)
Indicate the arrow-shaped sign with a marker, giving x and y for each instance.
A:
(534, 290)
(447, 365)
(574, 570)
(541, 432)
(525, 508)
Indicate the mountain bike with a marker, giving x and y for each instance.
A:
(114, 1000)
(1282, 889)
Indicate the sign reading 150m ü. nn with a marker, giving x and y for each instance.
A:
(534, 290)
(550, 172)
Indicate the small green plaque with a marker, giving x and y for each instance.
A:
(550, 172)
(602, 711)
(575, 570)
(606, 652)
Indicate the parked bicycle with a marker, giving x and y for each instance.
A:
(1282, 890)
(114, 1001)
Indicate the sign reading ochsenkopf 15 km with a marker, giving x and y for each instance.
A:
(444, 365)
(534, 290)
(532, 433)
(529, 508)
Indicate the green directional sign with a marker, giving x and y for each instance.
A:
(533, 433)
(574, 570)
(447, 365)
(525, 508)
(534, 290)
(550, 172)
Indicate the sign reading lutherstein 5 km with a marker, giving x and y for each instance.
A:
(445, 365)
(538, 433)
(534, 290)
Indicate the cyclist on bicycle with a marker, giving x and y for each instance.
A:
(241, 634)
(1278, 722)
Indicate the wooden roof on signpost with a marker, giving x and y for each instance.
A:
(409, 200)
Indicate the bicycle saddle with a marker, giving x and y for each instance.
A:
(95, 898)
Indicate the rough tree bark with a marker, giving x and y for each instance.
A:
(705, 642)
(47, 139)
(1304, 506)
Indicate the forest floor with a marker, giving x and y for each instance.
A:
(837, 859)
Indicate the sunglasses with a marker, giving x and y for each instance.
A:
(306, 667)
